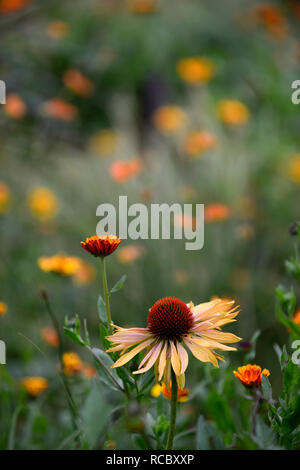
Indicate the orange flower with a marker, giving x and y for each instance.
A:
(182, 395)
(10, 6)
(103, 143)
(5, 197)
(59, 264)
(294, 169)
(195, 70)
(3, 309)
(250, 375)
(84, 274)
(122, 171)
(296, 317)
(101, 246)
(128, 254)
(57, 29)
(60, 109)
(142, 7)
(233, 112)
(216, 212)
(42, 203)
(272, 18)
(88, 371)
(34, 386)
(72, 363)
(15, 107)
(198, 142)
(185, 220)
(50, 336)
(169, 119)
(78, 83)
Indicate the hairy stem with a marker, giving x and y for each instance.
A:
(106, 294)
(255, 409)
(173, 412)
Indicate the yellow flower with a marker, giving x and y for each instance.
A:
(3, 309)
(5, 197)
(198, 142)
(60, 264)
(250, 375)
(182, 395)
(42, 203)
(233, 112)
(101, 246)
(57, 29)
(296, 317)
(35, 385)
(173, 326)
(103, 143)
(195, 70)
(72, 363)
(169, 119)
(294, 169)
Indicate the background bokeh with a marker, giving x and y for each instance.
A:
(100, 103)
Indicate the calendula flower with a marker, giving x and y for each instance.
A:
(15, 107)
(173, 327)
(34, 386)
(169, 119)
(5, 197)
(60, 109)
(196, 143)
(84, 274)
(195, 70)
(78, 83)
(273, 20)
(50, 336)
(59, 264)
(57, 29)
(294, 169)
(88, 371)
(10, 6)
(122, 171)
(101, 246)
(182, 395)
(250, 375)
(142, 7)
(3, 309)
(216, 212)
(72, 363)
(103, 143)
(296, 317)
(129, 254)
(43, 203)
(233, 112)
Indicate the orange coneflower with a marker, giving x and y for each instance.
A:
(250, 375)
(34, 386)
(173, 324)
(101, 246)
(195, 70)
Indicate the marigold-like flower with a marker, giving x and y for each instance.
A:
(129, 254)
(84, 274)
(34, 386)
(3, 309)
(60, 109)
(250, 375)
(88, 371)
(296, 317)
(172, 327)
(294, 169)
(169, 119)
(78, 83)
(198, 142)
(60, 264)
(103, 143)
(10, 6)
(233, 112)
(50, 336)
(57, 29)
(195, 70)
(182, 395)
(101, 246)
(72, 363)
(5, 197)
(15, 107)
(272, 18)
(216, 212)
(43, 203)
(142, 7)
(122, 171)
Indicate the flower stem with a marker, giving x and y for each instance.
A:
(255, 410)
(172, 412)
(106, 294)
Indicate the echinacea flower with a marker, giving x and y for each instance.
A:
(157, 389)
(72, 363)
(34, 386)
(172, 327)
(195, 70)
(101, 246)
(250, 375)
(60, 264)
(3, 309)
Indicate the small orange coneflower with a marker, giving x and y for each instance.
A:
(50, 336)
(195, 70)
(60, 109)
(233, 112)
(3, 309)
(250, 375)
(173, 324)
(103, 143)
(15, 107)
(169, 119)
(122, 171)
(101, 246)
(216, 212)
(5, 197)
(43, 203)
(34, 386)
(198, 142)
(59, 264)
(78, 83)
(72, 363)
(182, 395)
(57, 29)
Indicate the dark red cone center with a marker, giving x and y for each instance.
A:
(170, 318)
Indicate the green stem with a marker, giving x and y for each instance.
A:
(172, 412)
(106, 294)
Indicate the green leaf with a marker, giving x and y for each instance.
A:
(266, 388)
(119, 284)
(95, 414)
(264, 437)
(74, 336)
(102, 310)
(103, 333)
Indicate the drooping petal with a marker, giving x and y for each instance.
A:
(155, 351)
(126, 357)
(202, 354)
(183, 356)
(209, 343)
(220, 336)
(180, 381)
(162, 361)
(175, 361)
